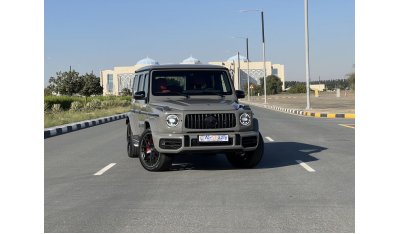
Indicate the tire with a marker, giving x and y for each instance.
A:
(250, 159)
(133, 152)
(149, 157)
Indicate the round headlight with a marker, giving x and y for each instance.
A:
(245, 119)
(172, 120)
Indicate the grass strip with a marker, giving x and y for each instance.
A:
(66, 117)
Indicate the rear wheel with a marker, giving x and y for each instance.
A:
(250, 159)
(150, 158)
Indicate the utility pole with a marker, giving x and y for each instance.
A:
(263, 44)
(307, 54)
(238, 82)
(265, 70)
(248, 69)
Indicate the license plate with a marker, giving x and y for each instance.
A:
(213, 138)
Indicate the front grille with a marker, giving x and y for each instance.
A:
(210, 121)
(166, 143)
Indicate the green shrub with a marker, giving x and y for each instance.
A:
(56, 108)
(76, 106)
(66, 101)
(47, 107)
(106, 104)
(89, 106)
(93, 105)
(96, 103)
(298, 88)
(115, 103)
(122, 103)
(126, 102)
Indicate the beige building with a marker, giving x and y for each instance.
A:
(114, 81)
(255, 69)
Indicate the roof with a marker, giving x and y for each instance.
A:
(191, 60)
(181, 66)
(147, 61)
(235, 58)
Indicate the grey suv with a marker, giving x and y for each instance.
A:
(180, 109)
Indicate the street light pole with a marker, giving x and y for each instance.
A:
(248, 68)
(248, 64)
(263, 42)
(307, 53)
(265, 70)
(239, 78)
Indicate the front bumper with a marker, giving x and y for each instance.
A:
(188, 142)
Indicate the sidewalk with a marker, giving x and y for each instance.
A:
(327, 105)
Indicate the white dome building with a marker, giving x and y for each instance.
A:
(235, 58)
(147, 61)
(191, 60)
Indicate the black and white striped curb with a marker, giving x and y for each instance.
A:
(58, 130)
(293, 111)
(305, 113)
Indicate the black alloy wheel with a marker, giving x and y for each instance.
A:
(250, 159)
(150, 158)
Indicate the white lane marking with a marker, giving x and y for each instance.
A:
(105, 169)
(269, 138)
(348, 125)
(303, 164)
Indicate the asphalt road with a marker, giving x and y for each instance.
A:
(204, 193)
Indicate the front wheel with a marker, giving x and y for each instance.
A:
(150, 158)
(249, 159)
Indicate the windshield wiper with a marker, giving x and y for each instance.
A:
(214, 92)
(180, 93)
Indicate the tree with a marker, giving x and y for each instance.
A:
(126, 92)
(91, 85)
(298, 88)
(351, 79)
(47, 91)
(66, 83)
(274, 85)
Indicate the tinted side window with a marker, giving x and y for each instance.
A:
(140, 86)
(146, 83)
(135, 84)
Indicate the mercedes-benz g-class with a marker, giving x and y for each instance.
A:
(181, 109)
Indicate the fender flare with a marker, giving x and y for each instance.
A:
(255, 125)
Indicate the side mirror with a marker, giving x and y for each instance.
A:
(239, 94)
(140, 95)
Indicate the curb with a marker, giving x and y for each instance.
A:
(307, 113)
(58, 130)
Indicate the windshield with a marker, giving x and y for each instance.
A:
(187, 82)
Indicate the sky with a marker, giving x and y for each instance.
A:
(94, 35)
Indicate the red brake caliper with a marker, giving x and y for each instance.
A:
(148, 147)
